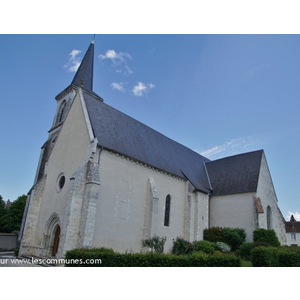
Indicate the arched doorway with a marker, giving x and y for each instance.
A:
(56, 240)
(52, 236)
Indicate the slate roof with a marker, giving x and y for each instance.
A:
(122, 134)
(235, 174)
(85, 71)
(118, 132)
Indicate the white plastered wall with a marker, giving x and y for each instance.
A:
(125, 200)
(236, 210)
(69, 152)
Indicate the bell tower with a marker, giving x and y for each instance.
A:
(82, 79)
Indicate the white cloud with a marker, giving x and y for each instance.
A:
(141, 88)
(118, 58)
(74, 61)
(232, 147)
(295, 214)
(118, 86)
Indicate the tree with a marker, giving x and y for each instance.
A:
(2, 213)
(11, 217)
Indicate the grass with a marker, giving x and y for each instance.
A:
(246, 263)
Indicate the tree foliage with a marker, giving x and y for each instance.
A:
(11, 217)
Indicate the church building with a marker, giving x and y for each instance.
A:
(105, 179)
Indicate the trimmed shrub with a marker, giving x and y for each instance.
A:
(264, 257)
(275, 256)
(245, 250)
(234, 237)
(289, 256)
(84, 257)
(266, 236)
(204, 246)
(213, 234)
(260, 244)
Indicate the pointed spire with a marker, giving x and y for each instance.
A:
(84, 74)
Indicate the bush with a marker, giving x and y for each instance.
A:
(266, 236)
(264, 257)
(289, 256)
(81, 257)
(275, 256)
(204, 246)
(246, 250)
(261, 244)
(213, 234)
(223, 247)
(234, 237)
(156, 244)
(181, 246)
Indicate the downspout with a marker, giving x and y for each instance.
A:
(209, 194)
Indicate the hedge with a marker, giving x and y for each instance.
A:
(267, 236)
(234, 237)
(103, 258)
(289, 256)
(184, 247)
(264, 257)
(275, 256)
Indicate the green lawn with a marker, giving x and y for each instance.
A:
(246, 263)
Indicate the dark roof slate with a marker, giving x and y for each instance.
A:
(118, 132)
(86, 70)
(235, 174)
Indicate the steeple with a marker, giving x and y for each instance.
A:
(84, 74)
(83, 77)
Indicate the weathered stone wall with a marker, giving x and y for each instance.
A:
(267, 195)
(29, 245)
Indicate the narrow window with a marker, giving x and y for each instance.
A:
(61, 112)
(293, 236)
(61, 182)
(269, 218)
(167, 210)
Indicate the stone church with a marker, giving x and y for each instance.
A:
(106, 180)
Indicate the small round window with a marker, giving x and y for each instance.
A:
(61, 182)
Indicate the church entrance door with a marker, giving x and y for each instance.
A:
(56, 240)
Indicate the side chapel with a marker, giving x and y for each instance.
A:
(105, 179)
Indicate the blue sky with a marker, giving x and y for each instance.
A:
(219, 95)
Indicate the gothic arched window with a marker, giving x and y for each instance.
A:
(167, 210)
(61, 112)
